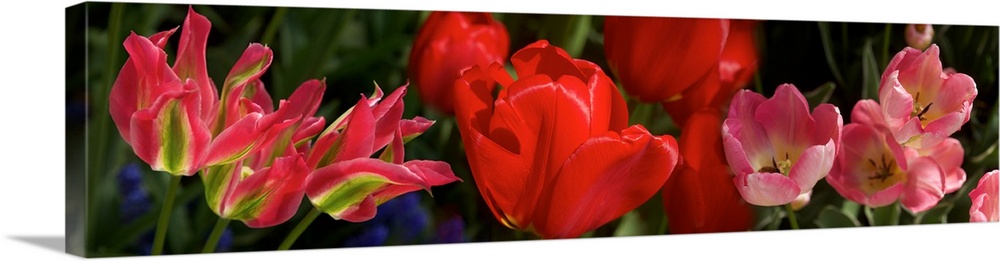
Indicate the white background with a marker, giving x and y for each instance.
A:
(32, 148)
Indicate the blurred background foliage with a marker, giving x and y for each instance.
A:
(355, 49)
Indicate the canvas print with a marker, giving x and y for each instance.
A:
(206, 128)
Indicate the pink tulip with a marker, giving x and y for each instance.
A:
(948, 153)
(875, 171)
(777, 149)
(919, 35)
(985, 203)
(921, 104)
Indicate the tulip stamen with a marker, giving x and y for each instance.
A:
(771, 169)
(884, 172)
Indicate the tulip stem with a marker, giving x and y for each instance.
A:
(168, 206)
(301, 227)
(213, 239)
(791, 216)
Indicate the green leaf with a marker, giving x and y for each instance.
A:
(830, 216)
(884, 216)
(870, 72)
(824, 33)
(631, 225)
(936, 215)
(821, 94)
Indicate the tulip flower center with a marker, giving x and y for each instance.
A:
(919, 109)
(884, 173)
(783, 166)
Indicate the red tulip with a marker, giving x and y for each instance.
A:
(684, 63)
(449, 42)
(552, 153)
(700, 196)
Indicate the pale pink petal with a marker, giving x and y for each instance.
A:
(786, 120)
(986, 199)
(745, 130)
(814, 164)
(897, 104)
(736, 156)
(868, 112)
(924, 185)
(766, 189)
(949, 154)
(829, 124)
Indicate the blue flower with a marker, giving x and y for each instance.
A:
(135, 199)
(374, 235)
(451, 230)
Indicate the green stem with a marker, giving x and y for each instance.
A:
(663, 226)
(791, 216)
(213, 239)
(301, 227)
(168, 206)
(885, 46)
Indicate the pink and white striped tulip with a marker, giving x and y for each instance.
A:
(923, 105)
(986, 199)
(777, 149)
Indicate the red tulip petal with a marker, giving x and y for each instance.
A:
(410, 129)
(619, 172)
(170, 136)
(190, 62)
(141, 81)
(247, 136)
(387, 115)
(269, 196)
(699, 197)
(343, 186)
(355, 142)
(541, 58)
(500, 175)
(251, 65)
(161, 38)
(658, 58)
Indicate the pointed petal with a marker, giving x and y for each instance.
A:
(305, 100)
(246, 136)
(621, 172)
(190, 62)
(410, 129)
(161, 38)
(387, 116)
(355, 142)
(141, 81)
(341, 187)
